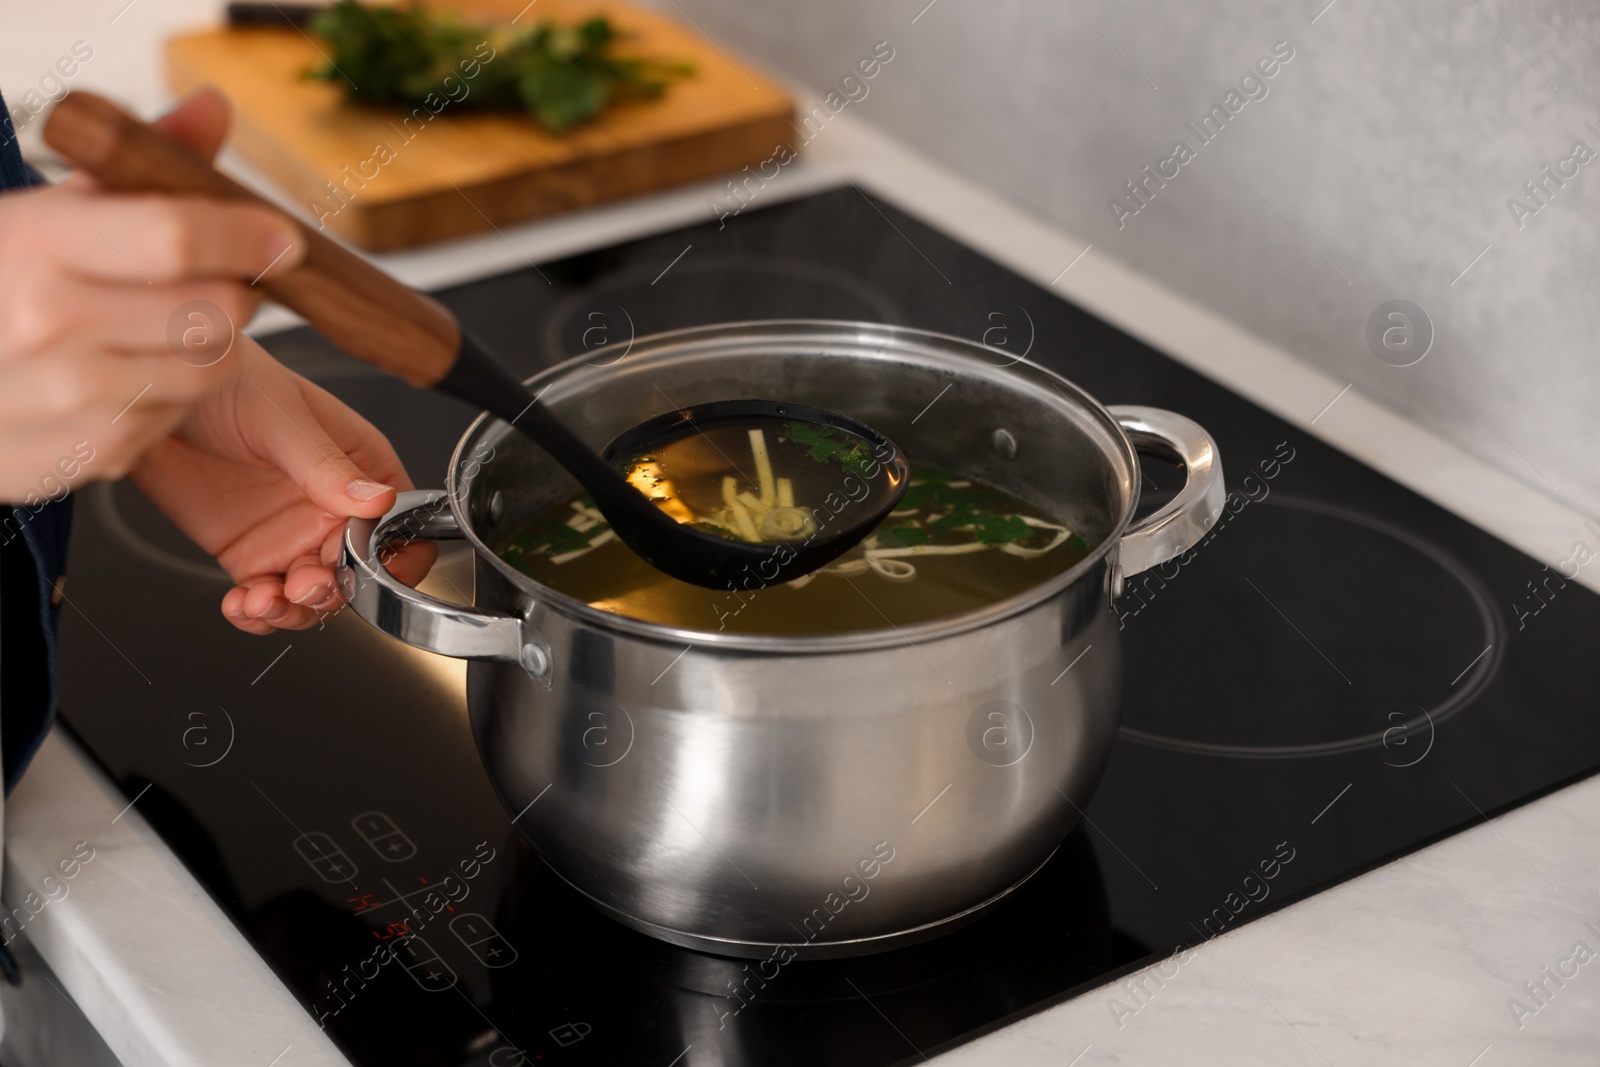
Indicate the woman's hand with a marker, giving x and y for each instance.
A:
(262, 474)
(90, 282)
(260, 467)
(263, 471)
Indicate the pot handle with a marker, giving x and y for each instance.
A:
(1179, 525)
(415, 617)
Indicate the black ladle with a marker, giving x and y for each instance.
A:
(376, 319)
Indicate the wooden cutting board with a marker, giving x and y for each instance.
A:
(384, 183)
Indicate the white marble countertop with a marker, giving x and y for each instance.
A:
(1413, 963)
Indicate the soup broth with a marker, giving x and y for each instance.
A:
(953, 545)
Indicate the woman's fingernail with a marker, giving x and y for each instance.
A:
(316, 594)
(275, 611)
(361, 489)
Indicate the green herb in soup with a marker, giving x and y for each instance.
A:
(954, 545)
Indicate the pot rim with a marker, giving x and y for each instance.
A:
(828, 643)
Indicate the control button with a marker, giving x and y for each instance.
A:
(483, 940)
(384, 837)
(325, 857)
(570, 1033)
(423, 964)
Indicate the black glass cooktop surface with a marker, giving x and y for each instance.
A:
(1339, 674)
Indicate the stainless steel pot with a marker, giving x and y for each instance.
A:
(767, 796)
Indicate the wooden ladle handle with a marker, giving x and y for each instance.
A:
(355, 305)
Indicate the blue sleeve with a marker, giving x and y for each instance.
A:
(41, 529)
(14, 173)
(36, 542)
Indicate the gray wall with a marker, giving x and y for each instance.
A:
(1391, 141)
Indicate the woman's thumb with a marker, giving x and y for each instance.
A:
(299, 446)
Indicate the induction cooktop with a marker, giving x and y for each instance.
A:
(1339, 674)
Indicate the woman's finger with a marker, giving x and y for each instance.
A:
(371, 450)
(200, 122)
(363, 442)
(233, 611)
(409, 561)
(264, 602)
(412, 560)
(290, 436)
(309, 583)
(233, 607)
(149, 239)
(191, 322)
(103, 385)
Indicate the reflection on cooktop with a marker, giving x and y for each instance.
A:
(139, 527)
(1331, 623)
(600, 321)
(1053, 931)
